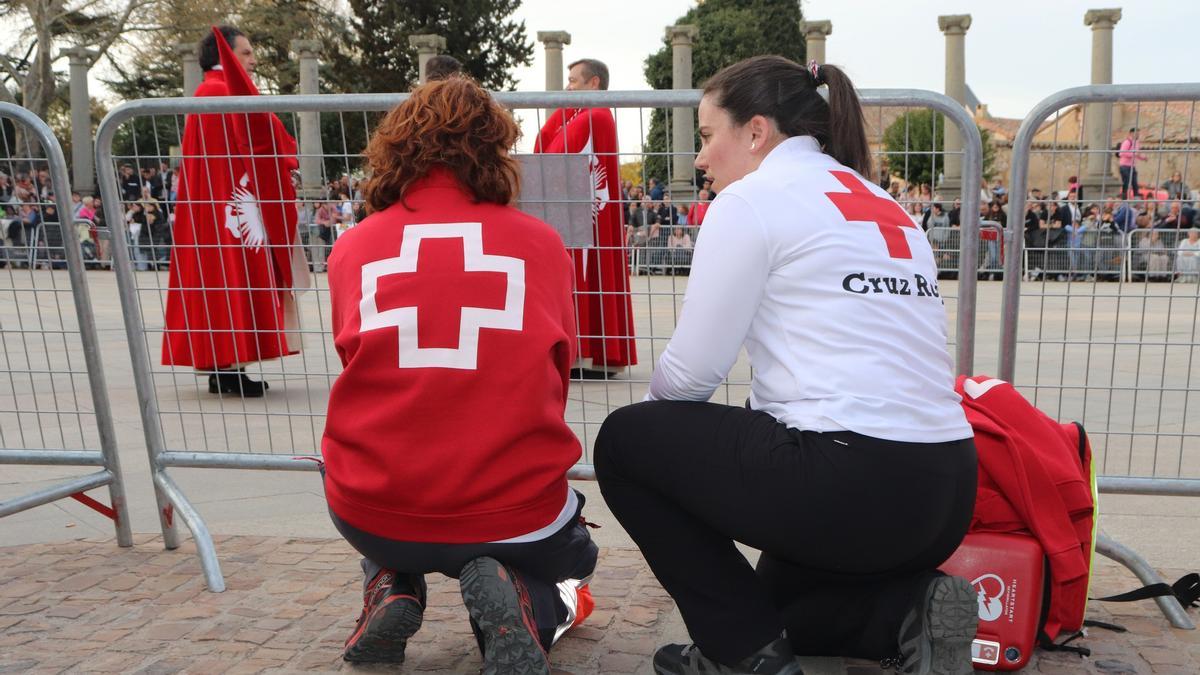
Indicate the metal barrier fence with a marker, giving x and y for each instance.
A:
(1097, 341)
(54, 408)
(946, 243)
(187, 427)
(1148, 254)
(1090, 255)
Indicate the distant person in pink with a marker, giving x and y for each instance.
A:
(1128, 156)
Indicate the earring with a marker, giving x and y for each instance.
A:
(752, 146)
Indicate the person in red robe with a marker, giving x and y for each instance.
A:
(602, 301)
(230, 298)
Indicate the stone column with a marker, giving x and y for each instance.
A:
(683, 134)
(82, 164)
(1099, 118)
(427, 46)
(308, 52)
(955, 28)
(554, 41)
(189, 54)
(815, 33)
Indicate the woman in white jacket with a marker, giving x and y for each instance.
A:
(853, 468)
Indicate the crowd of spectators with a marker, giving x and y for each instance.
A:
(1067, 237)
(339, 206)
(148, 196)
(660, 230)
(30, 225)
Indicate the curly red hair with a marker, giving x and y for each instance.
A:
(451, 123)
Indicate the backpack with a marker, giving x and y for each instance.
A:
(1027, 598)
(1117, 151)
(1045, 469)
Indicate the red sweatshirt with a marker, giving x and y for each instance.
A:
(1031, 478)
(455, 325)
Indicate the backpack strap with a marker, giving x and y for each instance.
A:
(1114, 627)
(1186, 590)
(1045, 642)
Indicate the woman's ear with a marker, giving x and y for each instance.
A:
(760, 129)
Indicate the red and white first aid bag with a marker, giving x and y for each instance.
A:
(1008, 573)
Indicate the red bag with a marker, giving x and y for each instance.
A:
(1035, 478)
(1008, 573)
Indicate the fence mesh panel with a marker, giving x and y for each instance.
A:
(656, 244)
(1107, 332)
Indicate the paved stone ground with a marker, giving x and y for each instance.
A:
(88, 606)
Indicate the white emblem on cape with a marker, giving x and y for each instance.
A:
(471, 319)
(599, 180)
(243, 218)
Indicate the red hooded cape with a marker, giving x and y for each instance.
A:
(230, 285)
(602, 300)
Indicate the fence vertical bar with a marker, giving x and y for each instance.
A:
(101, 408)
(131, 314)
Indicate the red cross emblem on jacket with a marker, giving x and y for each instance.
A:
(862, 205)
(446, 299)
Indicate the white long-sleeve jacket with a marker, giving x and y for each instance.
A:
(833, 292)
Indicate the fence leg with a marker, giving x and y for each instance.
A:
(1114, 550)
(116, 496)
(166, 517)
(211, 567)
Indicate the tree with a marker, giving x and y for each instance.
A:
(730, 30)
(914, 144)
(479, 33)
(152, 67)
(366, 50)
(27, 75)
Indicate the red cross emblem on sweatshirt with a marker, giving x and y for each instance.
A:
(862, 205)
(440, 292)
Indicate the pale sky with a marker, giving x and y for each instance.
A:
(1018, 51)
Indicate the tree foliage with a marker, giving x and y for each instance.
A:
(730, 30)
(914, 144)
(152, 67)
(365, 50)
(42, 28)
(479, 33)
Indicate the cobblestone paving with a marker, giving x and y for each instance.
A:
(89, 606)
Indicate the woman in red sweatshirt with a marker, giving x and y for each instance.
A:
(445, 446)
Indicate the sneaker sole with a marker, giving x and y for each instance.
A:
(952, 620)
(491, 599)
(387, 631)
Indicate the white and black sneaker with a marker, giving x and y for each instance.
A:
(502, 618)
(936, 634)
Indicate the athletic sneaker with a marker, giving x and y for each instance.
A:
(502, 616)
(936, 635)
(777, 658)
(392, 610)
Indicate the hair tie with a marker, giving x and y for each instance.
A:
(814, 69)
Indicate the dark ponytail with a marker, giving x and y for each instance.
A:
(786, 92)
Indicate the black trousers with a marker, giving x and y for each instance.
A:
(569, 553)
(850, 527)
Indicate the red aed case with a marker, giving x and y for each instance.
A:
(1007, 571)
